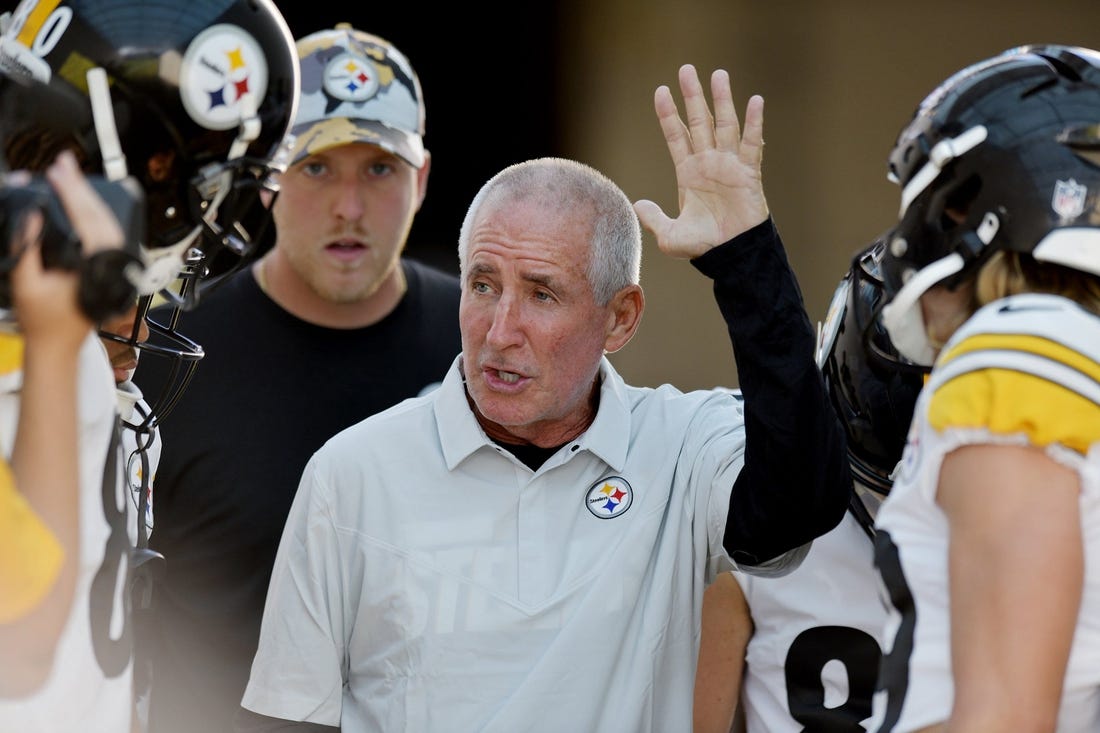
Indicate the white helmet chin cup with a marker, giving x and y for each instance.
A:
(905, 324)
(902, 316)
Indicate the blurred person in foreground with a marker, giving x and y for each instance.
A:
(177, 125)
(50, 382)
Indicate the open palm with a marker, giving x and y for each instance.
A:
(721, 193)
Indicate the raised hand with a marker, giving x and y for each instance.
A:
(721, 193)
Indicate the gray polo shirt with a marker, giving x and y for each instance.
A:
(429, 581)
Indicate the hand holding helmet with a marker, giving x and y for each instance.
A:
(196, 112)
(109, 266)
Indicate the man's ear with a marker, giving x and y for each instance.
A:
(626, 308)
(422, 179)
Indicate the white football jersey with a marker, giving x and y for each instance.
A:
(813, 657)
(89, 688)
(446, 599)
(1025, 368)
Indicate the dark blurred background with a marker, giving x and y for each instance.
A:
(487, 72)
(508, 81)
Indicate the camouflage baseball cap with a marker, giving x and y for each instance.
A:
(357, 88)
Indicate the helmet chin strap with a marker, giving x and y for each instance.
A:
(218, 185)
(103, 115)
(250, 127)
(114, 160)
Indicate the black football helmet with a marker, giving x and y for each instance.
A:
(191, 99)
(871, 387)
(1003, 155)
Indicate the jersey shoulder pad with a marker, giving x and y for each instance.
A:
(1023, 365)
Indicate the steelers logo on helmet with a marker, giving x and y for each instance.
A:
(609, 497)
(350, 78)
(221, 65)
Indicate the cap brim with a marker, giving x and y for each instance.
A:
(314, 137)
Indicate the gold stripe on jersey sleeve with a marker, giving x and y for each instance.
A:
(1037, 345)
(11, 353)
(1009, 402)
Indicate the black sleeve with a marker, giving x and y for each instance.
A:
(795, 482)
(247, 721)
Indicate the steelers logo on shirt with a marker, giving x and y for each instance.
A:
(609, 497)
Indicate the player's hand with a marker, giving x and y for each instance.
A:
(91, 218)
(718, 178)
(46, 300)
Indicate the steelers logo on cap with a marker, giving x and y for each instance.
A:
(609, 497)
(350, 78)
(220, 66)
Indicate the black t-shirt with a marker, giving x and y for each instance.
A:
(269, 392)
